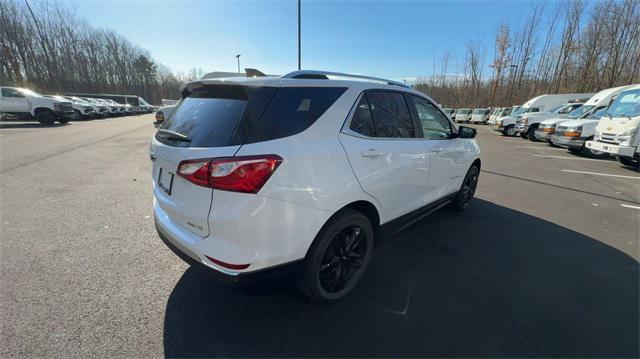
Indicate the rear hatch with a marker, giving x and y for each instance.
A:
(206, 125)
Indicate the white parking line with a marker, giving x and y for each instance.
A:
(601, 174)
(567, 158)
(543, 148)
(629, 206)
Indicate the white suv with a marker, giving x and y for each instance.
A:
(256, 177)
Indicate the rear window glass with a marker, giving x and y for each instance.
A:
(292, 110)
(207, 117)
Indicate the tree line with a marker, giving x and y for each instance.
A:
(45, 47)
(565, 47)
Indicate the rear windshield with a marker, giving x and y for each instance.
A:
(207, 117)
(218, 116)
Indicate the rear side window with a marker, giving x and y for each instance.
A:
(293, 110)
(390, 114)
(208, 117)
(362, 121)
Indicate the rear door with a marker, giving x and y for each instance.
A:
(445, 150)
(387, 158)
(201, 127)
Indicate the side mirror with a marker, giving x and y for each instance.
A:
(466, 132)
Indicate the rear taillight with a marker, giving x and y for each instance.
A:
(245, 174)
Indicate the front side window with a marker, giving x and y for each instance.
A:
(390, 114)
(435, 125)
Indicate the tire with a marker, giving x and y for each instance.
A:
(523, 135)
(63, 120)
(45, 118)
(462, 200)
(575, 151)
(338, 257)
(626, 161)
(509, 131)
(531, 134)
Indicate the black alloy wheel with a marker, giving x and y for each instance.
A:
(462, 200)
(343, 258)
(469, 186)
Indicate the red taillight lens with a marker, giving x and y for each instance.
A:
(195, 171)
(245, 174)
(228, 265)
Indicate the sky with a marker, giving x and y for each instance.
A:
(391, 39)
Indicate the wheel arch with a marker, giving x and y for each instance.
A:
(38, 110)
(367, 208)
(477, 162)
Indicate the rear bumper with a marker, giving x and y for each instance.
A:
(624, 151)
(262, 232)
(245, 279)
(567, 142)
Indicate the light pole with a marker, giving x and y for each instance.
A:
(299, 39)
(238, 57)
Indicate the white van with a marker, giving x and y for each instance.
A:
(480, 115)
(597, 102)
(463, 115)
(526, 125)
(617, 132)
(543, 103)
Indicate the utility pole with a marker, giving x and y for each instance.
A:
(299, 39)
(238, 57)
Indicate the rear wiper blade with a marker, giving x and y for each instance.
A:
(174, 135)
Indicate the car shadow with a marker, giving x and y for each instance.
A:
(487, 282)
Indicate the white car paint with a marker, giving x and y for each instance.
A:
(324, 169)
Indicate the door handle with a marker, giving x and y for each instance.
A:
(372, 153)
(436, 150)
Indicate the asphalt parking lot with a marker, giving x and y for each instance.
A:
(545, 263)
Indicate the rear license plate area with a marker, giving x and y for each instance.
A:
(165, 181)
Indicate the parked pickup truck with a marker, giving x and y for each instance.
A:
(27, 104)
